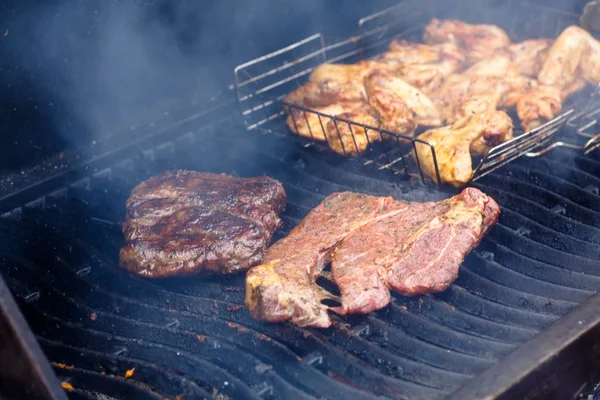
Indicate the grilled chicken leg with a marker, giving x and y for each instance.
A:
(453, 144)
(564, 57)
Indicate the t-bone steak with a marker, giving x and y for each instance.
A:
(374, 244)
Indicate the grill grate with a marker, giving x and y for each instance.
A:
(59, 255)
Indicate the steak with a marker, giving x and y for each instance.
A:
(374, 244)
(183, 222)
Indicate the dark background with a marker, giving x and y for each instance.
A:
(73, 71)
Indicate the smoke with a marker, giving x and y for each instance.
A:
(101, 61)
(95, 63)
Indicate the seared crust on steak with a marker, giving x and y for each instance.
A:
(374, 244)
(182, 222)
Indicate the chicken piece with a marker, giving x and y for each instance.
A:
(425, 77)
(312, 125)
(452, 145)
(481, 102)
(500, 66)
(423, 66)
(499, 130)
(480, 41)
(326, 93)
(527, 56)
(564, 57)
(509, 84)
(383, 92)
(332, 83)
(392, 112)
(497, 65)
(428, 77)
(350, 139)
(405, 52)
(538, 106)
(513, 96)
(462, 95)
(574, 53)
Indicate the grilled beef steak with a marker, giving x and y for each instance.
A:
(374, 244)
(182, 222)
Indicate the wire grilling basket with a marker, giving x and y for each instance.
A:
(263, 83)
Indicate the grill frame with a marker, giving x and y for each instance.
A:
(256, 93)
(29, 374)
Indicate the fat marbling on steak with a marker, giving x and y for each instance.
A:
(182, 222)
(374, 244)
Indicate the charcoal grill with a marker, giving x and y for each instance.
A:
(521, 321)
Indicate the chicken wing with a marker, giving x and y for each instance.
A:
(499, 130)
(393, 113)
(312, 125)
(564, 57)
(423, 66)
(313, 94)
(453, 144)
(538, 106)
(385, 91)
(342, 137)
(351, 139)
(480, 41)
(501, 66)
(332, 83)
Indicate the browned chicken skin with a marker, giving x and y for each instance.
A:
(528, 55)
(331, 83)
(538, 106)
(575, 50)
(382, 85)
(462, 95)
(423, 66)
(564, 57)
(349, 138)
(312, 125)
(480, 41)
(342, 137)
(571, 61)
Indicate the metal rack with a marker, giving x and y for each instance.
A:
(263, 83)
